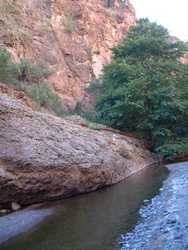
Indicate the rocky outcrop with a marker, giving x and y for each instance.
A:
(74, 38)
(43, 157)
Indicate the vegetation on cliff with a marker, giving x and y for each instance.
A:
(30, 78)
(145, 88)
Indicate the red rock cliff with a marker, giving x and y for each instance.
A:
(73, 37)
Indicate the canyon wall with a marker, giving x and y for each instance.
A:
(73, 37)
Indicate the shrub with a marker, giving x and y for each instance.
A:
(16, 35)
(89, 115)
(4, 65)
(171, 150)
(21, 72)
(25, 71)
(29, 78)
(68, 23)
(45, 97)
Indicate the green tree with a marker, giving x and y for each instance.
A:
(145, 88)
(4, 65)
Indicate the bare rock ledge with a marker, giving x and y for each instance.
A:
(43, 157)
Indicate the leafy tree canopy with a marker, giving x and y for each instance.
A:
(145, 88)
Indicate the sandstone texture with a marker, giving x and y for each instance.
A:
(73, 37)
(43, 157)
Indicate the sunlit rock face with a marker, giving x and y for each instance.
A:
(73, 37)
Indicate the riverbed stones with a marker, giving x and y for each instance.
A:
(43, 157)
(164, 221)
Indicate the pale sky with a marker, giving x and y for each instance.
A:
(172, 14)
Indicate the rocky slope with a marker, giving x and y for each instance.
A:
(72, 37)
(43, 157)
(19, 95)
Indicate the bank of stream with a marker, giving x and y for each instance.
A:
(163, 222)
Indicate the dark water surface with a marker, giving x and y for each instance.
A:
(93, 221)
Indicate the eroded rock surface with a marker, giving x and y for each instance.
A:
(43, 157)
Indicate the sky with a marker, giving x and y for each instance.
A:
(172, 14)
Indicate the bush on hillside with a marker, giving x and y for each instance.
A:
(45, 97)
(5, 74)
(25, 71)
(30, 78)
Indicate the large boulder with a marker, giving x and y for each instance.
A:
(43, 157)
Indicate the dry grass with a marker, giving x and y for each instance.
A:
(12, 30)
(68, 23)
(9, 7)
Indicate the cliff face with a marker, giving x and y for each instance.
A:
(43, 157)
(73, 37)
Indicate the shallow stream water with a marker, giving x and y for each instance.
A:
(92, 221)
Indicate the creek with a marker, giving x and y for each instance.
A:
(94, 221)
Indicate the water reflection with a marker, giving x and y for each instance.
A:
(93, 221)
